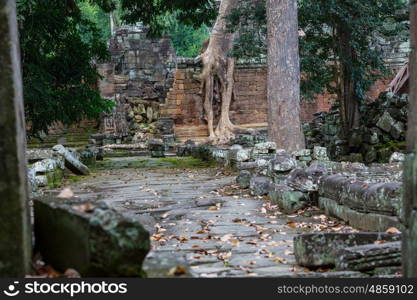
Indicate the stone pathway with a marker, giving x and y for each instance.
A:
(200, 219)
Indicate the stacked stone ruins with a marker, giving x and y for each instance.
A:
(368, 198)
(137, 80)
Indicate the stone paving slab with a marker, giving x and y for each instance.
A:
(219, 233)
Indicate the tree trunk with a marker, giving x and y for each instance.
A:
(218, 76)
(349, 106)
(410, 172)
(284, 122)
(15, 244)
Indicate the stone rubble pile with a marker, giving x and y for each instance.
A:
(46, 168)
(381, 133)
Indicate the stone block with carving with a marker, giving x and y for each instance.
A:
(91, 238)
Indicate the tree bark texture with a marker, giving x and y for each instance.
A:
(284, 122)
(15, 237)
(349, 105)
(218, 76)
(410, 173)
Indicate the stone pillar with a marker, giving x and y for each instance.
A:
(15, 238)
(410, 173)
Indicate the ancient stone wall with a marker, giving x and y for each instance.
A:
(381, 133)
(137, 79)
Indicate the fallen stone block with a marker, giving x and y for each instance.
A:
(288, 199)
(381, 198)
(89, 156)
(47, 165)
(320, 153)
(243, 180)
(386, 122)
(260, 185)
(265, 148)
(369, 257)
(156, 148)
(89, 237)
(364, 221)
(33, 186)
(301, 153)
(71, 161)
(282, 163)
(239, 155)
(307, 180)
(397, 157)
(34, 155)
(314, 250)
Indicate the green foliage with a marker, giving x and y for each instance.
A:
(154, 12)
(321, 53)
(97, 16)
(59, 46)
(187, 40)
(326, 24)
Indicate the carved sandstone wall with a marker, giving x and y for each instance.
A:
(184, 103)
(137, 79)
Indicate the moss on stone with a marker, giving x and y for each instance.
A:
(146, 162)
(55, 178)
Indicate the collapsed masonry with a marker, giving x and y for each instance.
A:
(381, 132)
(368, 198)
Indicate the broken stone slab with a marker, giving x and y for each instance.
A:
(283, 162)
(381, 198)
(243, 180)
(260, 185)
(265, 148)
(385, 122)
(156, 148)
(47, 165)
(88, 156)
(320, 153)
(370, 256)
(397, 130)
(71, 161)
(397, 157)
(314, 250)
(34, 155)
(359, 220)
(89, 237)
(301, 153)
(288, 199)
(33, 186)
(308, 179)
(239, 155)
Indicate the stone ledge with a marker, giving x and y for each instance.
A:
(365, 221)
(93, 239)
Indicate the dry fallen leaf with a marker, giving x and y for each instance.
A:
(292, 224)
(71, 273)
(66, 193)
(88, 207)
(393, 230)
(177, 271)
